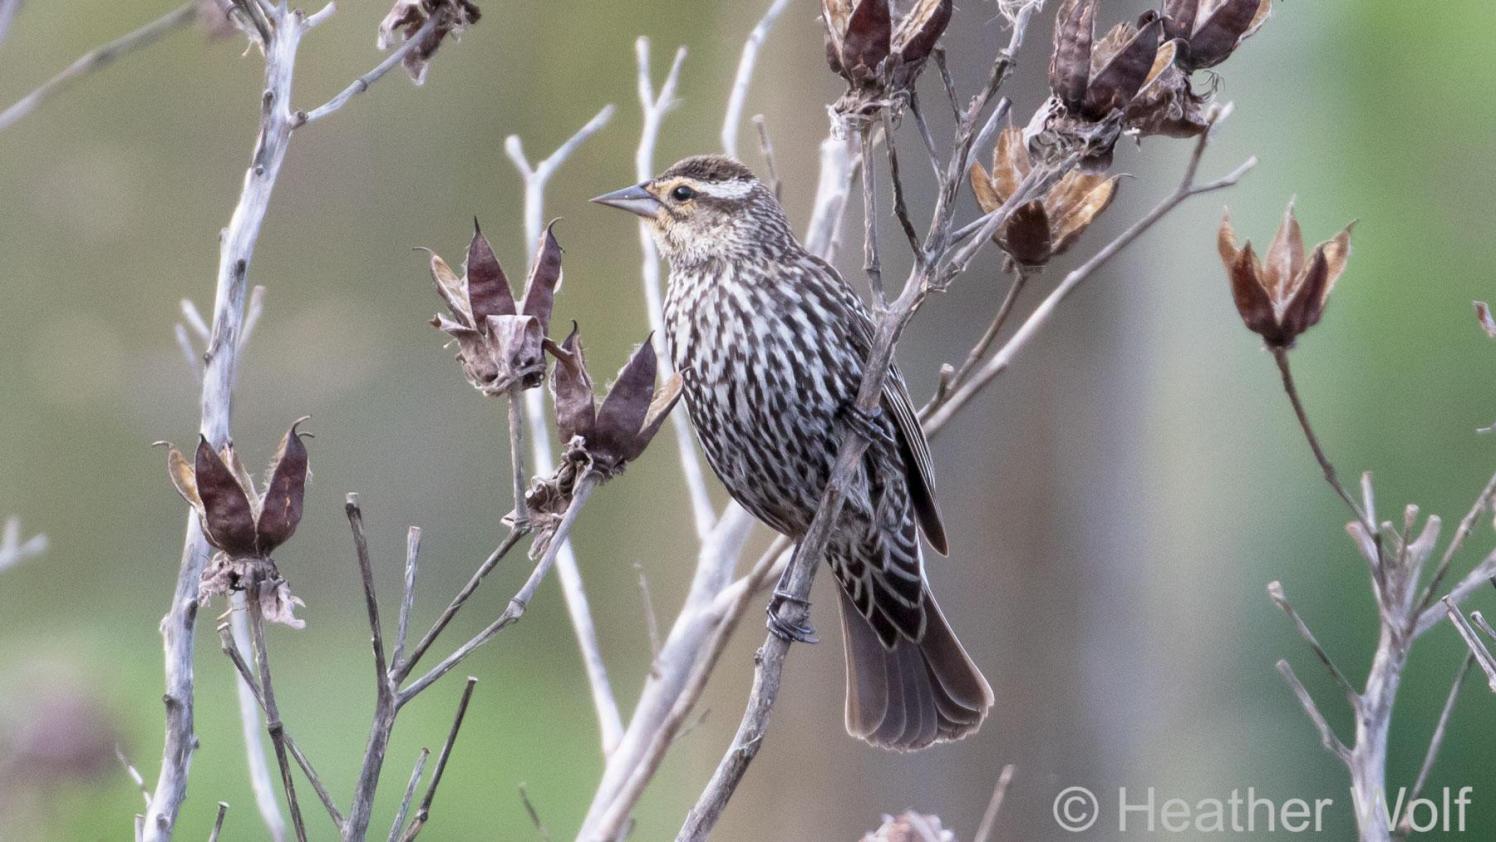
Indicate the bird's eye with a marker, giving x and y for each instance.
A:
(683, 194)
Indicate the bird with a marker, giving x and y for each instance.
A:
(771, 343)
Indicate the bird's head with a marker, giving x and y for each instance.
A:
(707, 207)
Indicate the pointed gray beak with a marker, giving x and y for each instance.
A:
(633, 199)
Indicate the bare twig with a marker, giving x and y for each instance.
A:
(220, 370)
(733, 119)
(247, 676)
(402, 669)
(655, 105)
(385, 698)
(517, 603)
(994, 806)
(937, 415)
(260, 781)
(410, 794)
(407, 595)
(651, 624)
(363, 82)
(133, 773)
(1467, 525)
(1275, 592)
(536, 177)
(1327, 736)
(1478, 650)
(1280, 355)
(95, 59)
(223, 811)
(272, 712)
(1436, 741)
(423, 813)
(13, 550)
(766, 151)
(870, 263)
(1479, 577)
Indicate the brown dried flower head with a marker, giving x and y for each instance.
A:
(1286, 296)
(910, 826)
(879, 57)
(1047, 226)
(1095, 79)
(242, 522)
(616, 432)
(1209, 31)
(406, 19)
(499, 342)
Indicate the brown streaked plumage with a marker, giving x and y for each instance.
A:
(771, 342)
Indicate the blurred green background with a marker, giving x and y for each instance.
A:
(1117, 501)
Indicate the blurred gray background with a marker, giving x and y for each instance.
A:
(1117, 502)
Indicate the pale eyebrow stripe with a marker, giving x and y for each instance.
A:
(725, 189)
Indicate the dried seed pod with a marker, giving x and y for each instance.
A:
(242, 523)
(1045, 227)
(880, 57)
(1286, 295)
(407, 17)
(499, 341)
(1221, 30)
(612, 434)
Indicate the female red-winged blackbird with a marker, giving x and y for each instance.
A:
(771, 343)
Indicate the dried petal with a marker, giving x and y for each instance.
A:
(405, 20)
(866, 40)
(545, 279)
(1253, 303)
(1070, 63)
(1119, 80)
(1222, 31)
(227, 518)
(284, 492)
(450, 288)
(516, 344)
(1166, 105)
(659, 409)
(182, 476)
(1077, 205)
(1337, 253)
(1285, 257)
(920, 29)
(571, 388)
(834, 15)
(1303, 309)
(1025, 236)
(487, 288)
(278, 605)
(1010, 163)
(622, 414)
(1483, 315)
(981, 186)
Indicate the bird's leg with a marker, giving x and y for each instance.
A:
(802, 633)
(867, 425)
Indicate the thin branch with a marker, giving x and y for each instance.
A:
(410, 794)
(733, 118)
(1467, 525)
(655, 105)
(223, 811)
(423, 813)
(261, 783)
(936, 416)
(13, 550)
(247, 676)
(766, 151)
(220, 370)
(272, 712)
(402, 669)
(97, 59)
(1477, 647)
(1280, 356)
(386, 704)
(959, 376)
(1327, 736)
(1436, 741)
(366, 578)
(133, 773)
(651, 624)
(994, 806)
(870, 263)
(610, 722)
(900, 207)
(363, 82)
(524, 797)
(1275, 592)
(520, 518)
(1476, 579)
(517, 603)
(407, 594)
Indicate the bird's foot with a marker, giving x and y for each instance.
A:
(795, 633)
(867, 425)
